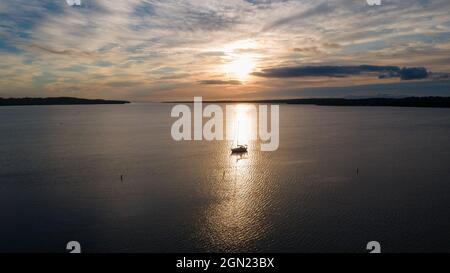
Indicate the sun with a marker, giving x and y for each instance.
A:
(240, 67)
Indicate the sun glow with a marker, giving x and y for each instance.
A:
(240, 67)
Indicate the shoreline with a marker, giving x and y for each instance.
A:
(56, 101)
(431, 102)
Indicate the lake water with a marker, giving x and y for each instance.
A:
(60, 169)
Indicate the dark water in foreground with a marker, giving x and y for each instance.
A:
(60, 170)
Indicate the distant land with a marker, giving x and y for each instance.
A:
(55, 101)
(438, 102)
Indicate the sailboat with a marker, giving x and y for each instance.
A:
(240, 148)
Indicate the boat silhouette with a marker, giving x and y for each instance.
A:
(240, 148)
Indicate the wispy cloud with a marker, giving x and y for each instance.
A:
(220, 82)
(70, 52)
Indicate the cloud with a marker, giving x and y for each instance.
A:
(220, 82)
(175, 76)
(413, 73)
(383, 72)
(69, 52)
(314, 11)
(323, 71)
(124, 84)
(104, 46)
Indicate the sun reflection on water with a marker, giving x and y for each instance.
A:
(235, 218)
(244, 123)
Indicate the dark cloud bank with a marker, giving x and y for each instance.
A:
(411, 73)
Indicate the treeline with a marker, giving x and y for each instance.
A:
(56, 101)
(400, 102)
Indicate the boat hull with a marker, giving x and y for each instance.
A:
(239, 150)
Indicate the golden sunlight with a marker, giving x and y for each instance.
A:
(240, 67)
(244, 123)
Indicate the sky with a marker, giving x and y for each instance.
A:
(149, 50)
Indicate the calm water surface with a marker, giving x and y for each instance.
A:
(60, 169)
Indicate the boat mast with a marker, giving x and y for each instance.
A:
(237, 139)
